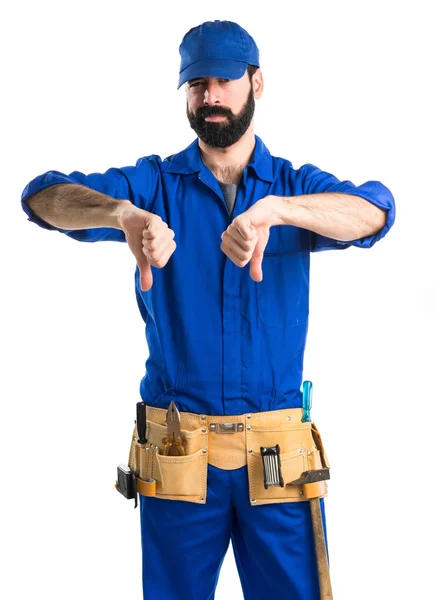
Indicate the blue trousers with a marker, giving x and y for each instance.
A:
(184, 544)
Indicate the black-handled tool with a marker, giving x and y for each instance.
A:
(141, 422)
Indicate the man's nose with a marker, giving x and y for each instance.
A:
(212, 93)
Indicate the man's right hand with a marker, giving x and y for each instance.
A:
(149, 238)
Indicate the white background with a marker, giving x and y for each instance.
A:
(92, 85)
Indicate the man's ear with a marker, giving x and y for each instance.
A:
(257, 82)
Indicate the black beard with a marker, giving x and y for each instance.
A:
(224, 133)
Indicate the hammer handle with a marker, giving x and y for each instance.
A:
(321, 551)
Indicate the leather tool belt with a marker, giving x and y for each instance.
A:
(228, 442)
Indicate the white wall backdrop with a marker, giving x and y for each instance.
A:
(91, 85)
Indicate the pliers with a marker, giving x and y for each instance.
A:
(173, 436)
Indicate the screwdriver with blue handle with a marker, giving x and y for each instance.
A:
(311, 482)
(307, 401)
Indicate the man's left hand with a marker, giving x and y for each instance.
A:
(246, 237)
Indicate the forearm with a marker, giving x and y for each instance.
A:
(70, 206)
(338, 216)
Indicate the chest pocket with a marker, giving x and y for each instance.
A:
(283, 293)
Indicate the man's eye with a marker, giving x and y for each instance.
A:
(197, 83)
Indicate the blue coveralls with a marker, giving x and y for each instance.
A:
(221, 344)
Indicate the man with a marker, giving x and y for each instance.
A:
(226, 313)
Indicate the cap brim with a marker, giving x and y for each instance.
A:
(217, 67)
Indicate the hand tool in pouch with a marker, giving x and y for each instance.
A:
(146, 484)
(313, 488)
(272, 473)
(173, 443)
(307, 401)
(126, 482)
(310, 480)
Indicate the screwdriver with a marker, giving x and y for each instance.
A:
(307, 401)
(141, 427)
(147, 487)
(141, 422)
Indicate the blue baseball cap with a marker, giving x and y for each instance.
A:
(216, 49)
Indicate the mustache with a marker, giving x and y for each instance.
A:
(212, 111)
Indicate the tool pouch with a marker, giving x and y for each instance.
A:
(229, 442)
(177, 477)
(301, 449)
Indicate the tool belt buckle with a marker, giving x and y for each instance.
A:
(226, 427)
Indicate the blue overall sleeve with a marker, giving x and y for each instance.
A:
(315, 181)
(135, 183)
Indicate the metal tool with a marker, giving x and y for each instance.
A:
(272, 473)
(312, 490)
(173, 443)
